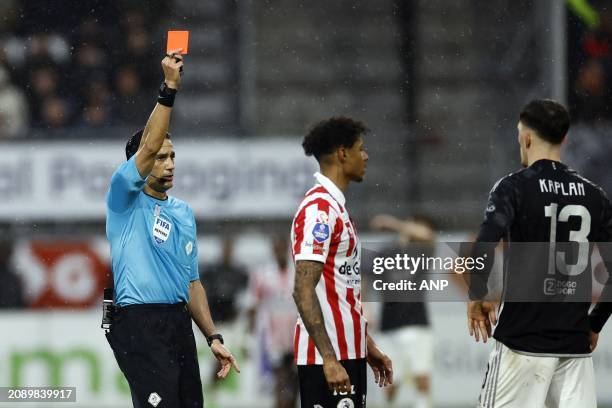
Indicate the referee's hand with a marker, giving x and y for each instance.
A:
(171, 65)
(225, 358)
(337, 378)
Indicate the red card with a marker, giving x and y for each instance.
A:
(178, 39)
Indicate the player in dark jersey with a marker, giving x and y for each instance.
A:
(404, 326)
(549, 216)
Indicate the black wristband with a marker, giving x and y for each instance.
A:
(213, 337)
(166, 95)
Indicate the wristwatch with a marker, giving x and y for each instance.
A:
(213, 337)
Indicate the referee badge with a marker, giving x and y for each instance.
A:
(161, 230)
(189, 248)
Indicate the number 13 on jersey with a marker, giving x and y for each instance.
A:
(557, 259)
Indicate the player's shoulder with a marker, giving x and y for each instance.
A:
(510, 181)
(590, 184)
(320, 197)
(179, 205)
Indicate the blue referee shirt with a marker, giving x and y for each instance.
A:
(153, 242)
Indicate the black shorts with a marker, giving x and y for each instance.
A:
(315, 392)
(155, 348)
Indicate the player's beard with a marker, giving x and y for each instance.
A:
(359, 175)
(160, 187)
(357, 178)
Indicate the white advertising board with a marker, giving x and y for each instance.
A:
(219, 179)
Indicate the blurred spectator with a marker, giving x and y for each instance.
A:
(272, 317)
(592, 92)
(131, 104)
(97, 115)
(11, 289)
(97, 92)
(138, 47)
(54, 113)
(98, 110)
(47, 48)
(90, 57)
(57, 56)
(13, 108)
(43, 83)
(223, 282)
(590, 56)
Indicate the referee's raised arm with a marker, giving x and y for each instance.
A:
(157, 125)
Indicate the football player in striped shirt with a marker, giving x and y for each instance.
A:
(331, 346)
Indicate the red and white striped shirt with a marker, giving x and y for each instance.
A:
(323, 231)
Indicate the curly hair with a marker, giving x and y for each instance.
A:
(326, 136)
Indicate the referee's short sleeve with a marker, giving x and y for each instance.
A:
(195, 274)
(125, 185)
(314, 231)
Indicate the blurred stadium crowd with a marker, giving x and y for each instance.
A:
(590, 89)
(60, 70)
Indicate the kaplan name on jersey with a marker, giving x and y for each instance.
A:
(566, 189)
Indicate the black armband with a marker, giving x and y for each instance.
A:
(166, 95)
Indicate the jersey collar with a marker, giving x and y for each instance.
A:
(331, 188)
(546, 162)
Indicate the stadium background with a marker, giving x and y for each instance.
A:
(439, 83)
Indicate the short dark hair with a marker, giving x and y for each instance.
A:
(329, 134)
(547, 117)
(131, 147)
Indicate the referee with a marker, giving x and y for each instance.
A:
(155, 269)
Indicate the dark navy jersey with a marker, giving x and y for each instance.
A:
(549, 216)
(397, 315)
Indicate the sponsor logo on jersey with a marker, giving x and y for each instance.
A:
(320, 232)
(346, 403)
(346, 269)
(154, 399)
(559, 287)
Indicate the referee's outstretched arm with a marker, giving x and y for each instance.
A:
(157, 125)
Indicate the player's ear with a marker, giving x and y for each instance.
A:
(528, 140)
(341, 153)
